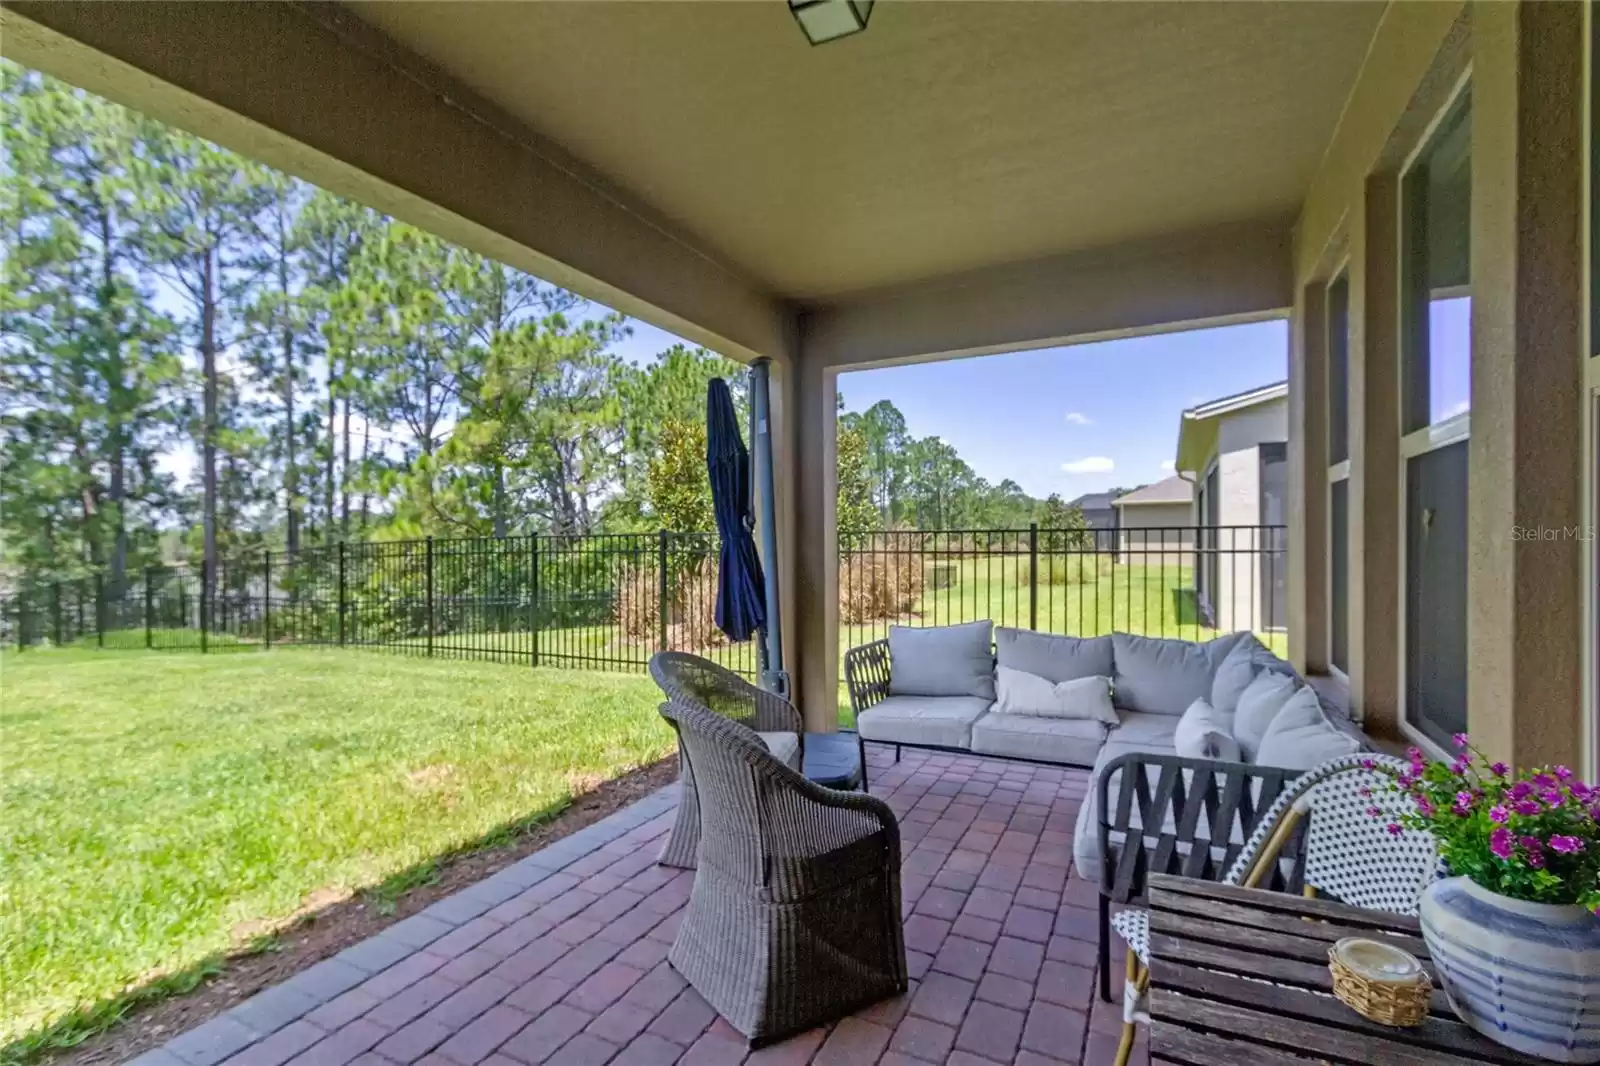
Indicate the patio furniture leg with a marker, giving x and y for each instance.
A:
(682, 848)
(1137, 976)
(897, 753)
(1274, 848)
(1105, 948)
(861, 745)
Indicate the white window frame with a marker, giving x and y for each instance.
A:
(1428, 438)
(1339, 471)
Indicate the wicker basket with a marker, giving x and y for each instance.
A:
(1380, 982)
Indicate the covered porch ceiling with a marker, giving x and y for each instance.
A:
(700, 165)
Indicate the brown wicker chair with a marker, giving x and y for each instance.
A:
(794, 920)
(692, 680)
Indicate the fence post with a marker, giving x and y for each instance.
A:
(22, 618)
(533, 598)
(430, 595)
(149, 603)
(205, 602)
(341, 594)
(1033, 575)
(99, 610)
(662, 591)
(266, 599)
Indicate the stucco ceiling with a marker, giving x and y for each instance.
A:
(946, 138)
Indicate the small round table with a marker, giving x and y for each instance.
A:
(833, 760)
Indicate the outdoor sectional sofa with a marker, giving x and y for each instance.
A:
(945, 688)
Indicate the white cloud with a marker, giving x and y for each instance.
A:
(1168, 465)
(1094, 464)
(1078, 418)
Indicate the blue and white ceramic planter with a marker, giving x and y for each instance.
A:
(1526, 975)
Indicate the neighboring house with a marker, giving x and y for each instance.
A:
(1156, 523)
(1097, 510)
(1236, 449)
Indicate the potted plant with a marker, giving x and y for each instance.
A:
(1512, 928)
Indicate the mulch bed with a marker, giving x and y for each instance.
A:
(330, 930)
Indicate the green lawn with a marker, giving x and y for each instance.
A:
(154, 803)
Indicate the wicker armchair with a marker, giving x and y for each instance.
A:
(795, 915)
(693, 681)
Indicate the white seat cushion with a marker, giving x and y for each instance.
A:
(944, 721)
(1066, 740)
(785, 747)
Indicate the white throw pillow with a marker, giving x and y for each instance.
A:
(1024, 693)
(1205, 733)
(1301, 736)
(1259, 704)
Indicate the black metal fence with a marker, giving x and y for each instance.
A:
(609, 601)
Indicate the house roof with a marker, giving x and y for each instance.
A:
(1169, 491)
(1094, 501)
(1197, 429)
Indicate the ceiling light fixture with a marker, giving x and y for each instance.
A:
(828, 20)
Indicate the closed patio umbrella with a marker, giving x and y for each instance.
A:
(741, 595)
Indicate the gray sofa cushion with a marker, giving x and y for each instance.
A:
(1054, 658)
(944, 721)
(1065, 740)
(784, 746)
(942, 661)
(1206, 733)
(1301, 736)
(1150, 732)
(1165, 676)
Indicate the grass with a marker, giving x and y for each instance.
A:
(160, 809)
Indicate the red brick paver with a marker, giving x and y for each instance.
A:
(567, 964)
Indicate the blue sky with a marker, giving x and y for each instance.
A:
(1077, 419)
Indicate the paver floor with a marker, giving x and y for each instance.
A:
(561, 958)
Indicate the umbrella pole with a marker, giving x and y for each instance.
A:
(773, 676)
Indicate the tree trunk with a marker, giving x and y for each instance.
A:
(291, 470)
(366, 446)
(499, 500)
(344, 475)
(333, 436)
(116, 415)
(208, 428)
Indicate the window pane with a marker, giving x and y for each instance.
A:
(1436, 592)
(1274, 576)
(1339, 520)
(1339, 370)
(1438, 273)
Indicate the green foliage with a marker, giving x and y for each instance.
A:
(1533, 835)
(680, 490)
(1062, 526)
(856, 515)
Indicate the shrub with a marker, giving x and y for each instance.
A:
(874, 587)
(1069, 569)
(691, 606)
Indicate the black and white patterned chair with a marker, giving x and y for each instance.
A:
(1345, 853)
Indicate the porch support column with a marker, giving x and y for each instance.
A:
(816, 553)
(1375, 515)
(1308, 481)
(1524, 589)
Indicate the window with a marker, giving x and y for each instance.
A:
(1273, 611)
(1436, 376)
(1338, 348)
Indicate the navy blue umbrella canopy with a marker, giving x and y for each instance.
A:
(741, 593)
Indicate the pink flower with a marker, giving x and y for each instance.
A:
(1581, 792)
(1499, 814)
(1502, 843)
(1459, 765)
(1364, 792)
(1414, 754)
(1373, 812)
(1563, 773)
(1500, 769)
(1394, 829)
(1594, 812)
(1521, 790)
(1553, 797)
(1543, 780)
(1535, 851)
(1463, 803)
(1460, 739)
(1566, 845)
(1526, 807)
(1369, 764)
(1425, 807)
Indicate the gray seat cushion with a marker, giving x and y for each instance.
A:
(1051, 657)
(1144, 731)
(1065, 740)
(785, 747)
(942, 660)
(945, 721)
